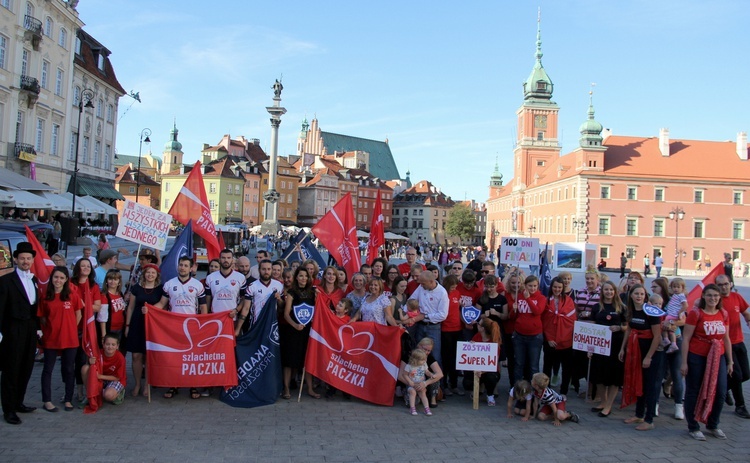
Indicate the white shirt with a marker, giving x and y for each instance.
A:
(432, 303)
(658, 262)
(224, 291)
(184, 297)
(28, 284)
(258, 293)
(92, 259)
(254, 272)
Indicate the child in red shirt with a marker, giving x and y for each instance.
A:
(527, 338)
(112, 370)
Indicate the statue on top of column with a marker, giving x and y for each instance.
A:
(277, 88)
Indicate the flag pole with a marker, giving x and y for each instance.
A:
(301, 383)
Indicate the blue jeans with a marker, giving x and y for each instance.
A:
(527, 350)
(645, 406)
(693, 380)
(432, 332)
(672, 363)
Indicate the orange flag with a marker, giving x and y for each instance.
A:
(192, 203)
(377, 232)
(43, 265)
(337, 230)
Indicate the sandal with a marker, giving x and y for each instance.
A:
(313, 394)
(171, 392)
(194, 394)
(286, 395)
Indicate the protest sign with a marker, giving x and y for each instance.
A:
(589, 337)
(144, 225)
(519, 251)
(476, 356)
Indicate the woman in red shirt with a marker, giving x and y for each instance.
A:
(528, 338)
(328, 289)
(84, 282)
(558, 320)
(706, 335)
(513, 283)
(59, 313)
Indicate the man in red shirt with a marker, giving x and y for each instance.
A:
(411, 258)
(736, 305)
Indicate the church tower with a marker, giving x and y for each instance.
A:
(536, 142)
(590, 153)
(302, 138)
(172, 154)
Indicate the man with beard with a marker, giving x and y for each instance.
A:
(255, 296)
(243, 266)
(223, 287)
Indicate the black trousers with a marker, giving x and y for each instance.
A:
(740, 374)
(17, 357)
(562, 357)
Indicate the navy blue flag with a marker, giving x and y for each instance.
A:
(301, 248)
(258, 363)
(183, 246)
(545, 277)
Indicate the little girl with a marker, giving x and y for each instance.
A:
(520, 399)
(344, 309)
(550, 401)
(412, 311)
(111, 317)
(676, 306)
(418, 371)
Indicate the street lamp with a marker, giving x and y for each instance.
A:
(676, 214)
(88, 95)
(531, 229)
(145, 133)
(578, 224)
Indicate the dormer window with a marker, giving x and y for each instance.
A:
(100, 63)
(541, 86)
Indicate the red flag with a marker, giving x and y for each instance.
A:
(337, 230)
(222, 246)
(361, 358)
(43, 265)
(192, 203)
(90, 346)
(377, 232)
(695, 293)
(190, 350)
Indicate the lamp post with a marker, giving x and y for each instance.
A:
(578, 224)
(676, 214)
(145, 133)
(88, 95)
(531, 229)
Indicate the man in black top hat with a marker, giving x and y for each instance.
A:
(19, 296)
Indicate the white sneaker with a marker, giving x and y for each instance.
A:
(717, 433)
(490, 401)
(697, 435)
(656, 410)
(679, 412)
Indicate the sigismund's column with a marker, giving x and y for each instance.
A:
(270, 224)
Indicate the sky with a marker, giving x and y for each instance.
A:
(441, 81)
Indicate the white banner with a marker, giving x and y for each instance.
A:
(519, 251)
(476, 356)
(144, 225)
(589, 337)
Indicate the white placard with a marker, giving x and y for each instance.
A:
(589, 337)
(476, 356)
(515, 250)
(144, 225)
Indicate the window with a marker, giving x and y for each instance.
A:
(48, 27)
(421, 211)
(78, 45)
(110, 112)
(147, 190)
(283, 185)
(100, 108)
(212, 188)
(132, 190)
(229, 206)
(605, 192)
(25, 63)
(166, 204)
(59, 82)
(39, 145)
(604, 252)
(632, 193)
(100, 62)
(737, 197)
(76, 95)
(97, 150)
(166, 187)
(5, 4)
(3, 45)
(696, 254)
(632, 227)
(107, 156)
(604, 225)
(255, 184)
(540, 136)
(85, 148)
(212, 204)
(63, 38)
(289, 199)
(44, 81)
(236, 206)
(73, 144)
(55, 140)
(659, 227)
(237, 190)
(229, 189)
(736, 254)
(630, 252)
(698, 196)
(281, 197)
(658, 194)
(738, 230)
(699, 229)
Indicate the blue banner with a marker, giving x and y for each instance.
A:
(545, 276)
(183, 246)
(258, 363)
(301, 248)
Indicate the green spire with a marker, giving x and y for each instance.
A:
(538, 86)
(591, 130)
(497, 178)
(173, 144)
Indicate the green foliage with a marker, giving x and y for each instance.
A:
(461, 222)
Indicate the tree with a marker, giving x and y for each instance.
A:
(461, 222)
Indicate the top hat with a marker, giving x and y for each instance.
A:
(22, 247)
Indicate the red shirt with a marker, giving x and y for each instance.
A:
(89, 294)
(404, 269)
(509, 325)
(453, 321)
(735, 305)
(330, 299)
(411, 287)
(707, 328)
(529, 314)
(115, 366)
(468, 296)
(116, 311)
(60, 331)
(558, 322)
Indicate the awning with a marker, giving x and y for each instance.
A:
(61, 203)
(109, 210)
(25, 200)
(6, 196)
(14, 181)
(95, 188)
(88, 206)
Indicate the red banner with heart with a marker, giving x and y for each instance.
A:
(361, 358)
(190, 350)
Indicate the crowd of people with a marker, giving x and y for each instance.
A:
(693, 355)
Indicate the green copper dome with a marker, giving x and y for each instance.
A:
(538, 86)
(173, 144)
(591, 130)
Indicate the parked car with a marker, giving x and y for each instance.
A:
(8, 242)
